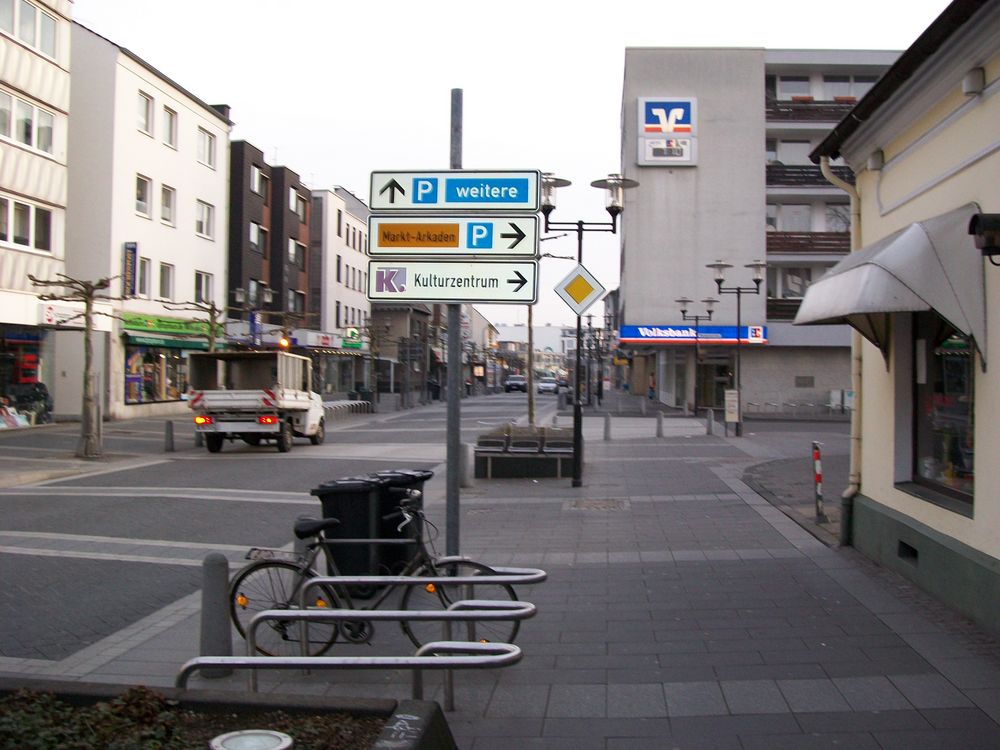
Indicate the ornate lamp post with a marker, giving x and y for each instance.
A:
(615, 185)
(720, 267)
(684, 303)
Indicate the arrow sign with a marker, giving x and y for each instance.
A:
(480, 236)
(456, 191)
(520, 281)
(392, 186)
(401, 280)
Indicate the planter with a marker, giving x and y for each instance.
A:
(512, 451)
(406, 724)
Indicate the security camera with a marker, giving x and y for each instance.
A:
(986, 229)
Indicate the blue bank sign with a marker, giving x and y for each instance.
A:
(670, 334)
(455, 191)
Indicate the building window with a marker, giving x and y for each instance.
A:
(795, 217)
(170, 127)
(794, 152)
(263, 243)
(792, 87)
(265, 189)
(154, 374)
(943, 401)
(838, 218)
(202, 286)
(847, 88)
(771, 217)
(143, 186)
(166, 281)
(338, 269)
(145, 113)
(255, 245)
(204, 222)
(256, 177)
(34, 27)
(167, 201)
(27, 123)
(300, 208)
(25, 224)
(296, 253)
(143, 280)
(336, 318)
(788, 283)
(206, 148)
(340, 223)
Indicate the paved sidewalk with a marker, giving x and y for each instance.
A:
(682, 610)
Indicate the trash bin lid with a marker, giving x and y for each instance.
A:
(398, 477)
(348, 485)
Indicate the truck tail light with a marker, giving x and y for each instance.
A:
(267, 419)
(203, 419)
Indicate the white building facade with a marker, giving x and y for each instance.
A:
(719, 141)
(34, 128)
(148, 195)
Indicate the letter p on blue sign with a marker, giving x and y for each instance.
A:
(425, 190)
(479, 235)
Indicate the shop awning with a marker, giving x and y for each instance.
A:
(929, 265)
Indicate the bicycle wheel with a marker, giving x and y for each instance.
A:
(272, 584)
(441, 596)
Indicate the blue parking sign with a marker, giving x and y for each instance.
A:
(479, 235)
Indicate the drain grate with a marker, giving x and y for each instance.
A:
(610, 504)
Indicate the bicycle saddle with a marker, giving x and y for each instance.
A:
(311, 527)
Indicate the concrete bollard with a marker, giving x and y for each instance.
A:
(709, 421)
(168, 436)
(607, 426)
(642, 407)
(659, 424)
(216, 632)
(199, 440)
(467, 465)
(555, 420)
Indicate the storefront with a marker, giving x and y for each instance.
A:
(155, 359)
(340, 363)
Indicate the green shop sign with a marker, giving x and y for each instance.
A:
(176, 326)
(352, 340)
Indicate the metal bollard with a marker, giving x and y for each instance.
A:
(216, 633)
(659, 424)
(818, 481)
(168, 436)
(709, 421)
(607, 426)
(467, 465)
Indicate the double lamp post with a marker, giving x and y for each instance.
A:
(615, 185)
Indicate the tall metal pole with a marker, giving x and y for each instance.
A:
(454, 420)
(739, 382)
(577, 413)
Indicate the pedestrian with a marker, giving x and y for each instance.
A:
(652, 386)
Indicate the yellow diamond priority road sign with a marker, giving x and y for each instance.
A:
(580, 290)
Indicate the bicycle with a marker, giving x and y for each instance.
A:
(274, 579)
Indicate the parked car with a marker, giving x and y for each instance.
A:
(516, 383)
(548, 385)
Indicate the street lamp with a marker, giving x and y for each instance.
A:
(615, 185)
(757, 268)
(709, 303)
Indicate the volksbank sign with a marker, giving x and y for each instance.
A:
(398, 280)
(688, 334)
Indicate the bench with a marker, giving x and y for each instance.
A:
(525, 452)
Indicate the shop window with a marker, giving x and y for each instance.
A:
(943, 393)
(154, 374)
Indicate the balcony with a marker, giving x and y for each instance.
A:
(806, 110)
(803, 175)
(809, 243)
(779, 309)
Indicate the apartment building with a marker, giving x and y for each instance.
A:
(719, 140)
(34, 129)
(339, 278)
(148, 173)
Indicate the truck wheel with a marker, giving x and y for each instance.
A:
(284, 439)
(213, 441)
(320, 435)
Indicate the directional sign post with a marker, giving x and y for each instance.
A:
(495, 282)
(455, 191)
(477, 236)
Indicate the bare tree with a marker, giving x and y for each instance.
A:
(214, 321)
(86, 292)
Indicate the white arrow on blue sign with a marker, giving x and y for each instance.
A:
(457, 190)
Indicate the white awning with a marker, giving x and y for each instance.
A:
(929, 265)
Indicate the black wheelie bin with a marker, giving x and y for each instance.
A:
(395, 557)
(356, 502)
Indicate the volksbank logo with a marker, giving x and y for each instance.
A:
(390, 280)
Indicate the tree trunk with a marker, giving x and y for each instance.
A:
(89, 445)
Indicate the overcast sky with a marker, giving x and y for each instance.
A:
(334, 89)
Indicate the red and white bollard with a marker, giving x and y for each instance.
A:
(818, 482)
